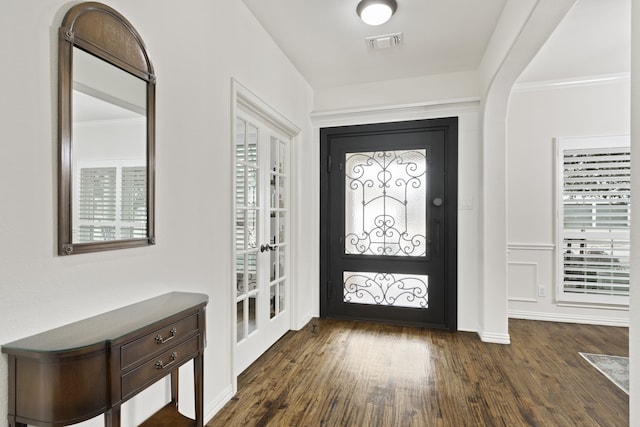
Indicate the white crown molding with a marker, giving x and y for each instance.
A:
(571, 82)
(392, 113)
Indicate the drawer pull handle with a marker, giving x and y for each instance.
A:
(160, 364)
(172, 334)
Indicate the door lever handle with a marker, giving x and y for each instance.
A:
(267, 248)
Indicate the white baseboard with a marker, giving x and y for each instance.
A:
(568, 318)
(494, 338)
(218, 403)
(302, 322)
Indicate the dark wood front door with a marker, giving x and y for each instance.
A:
(389, 222)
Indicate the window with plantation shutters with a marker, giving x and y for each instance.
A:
(111, 203)
(594, 212)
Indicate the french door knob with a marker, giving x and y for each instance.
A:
(267, 248)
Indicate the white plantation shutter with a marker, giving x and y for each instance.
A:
(594, 200)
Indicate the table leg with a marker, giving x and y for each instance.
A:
(14, 423)
(174, 387)
(112, 417)
(198, 379)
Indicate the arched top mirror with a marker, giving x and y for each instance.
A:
(106, 122)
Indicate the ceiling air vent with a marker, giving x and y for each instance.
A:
(384, 42)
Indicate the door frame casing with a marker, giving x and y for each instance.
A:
(450, 126)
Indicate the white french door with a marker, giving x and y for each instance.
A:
(262, 249)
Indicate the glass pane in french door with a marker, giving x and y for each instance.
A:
(278, 214)
(246, 227)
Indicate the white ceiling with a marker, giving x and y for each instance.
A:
(593, 40)
(88, 108)
(325, 39)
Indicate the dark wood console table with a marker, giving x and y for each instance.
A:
(87, 368)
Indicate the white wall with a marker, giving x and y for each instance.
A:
(419, 90)
(196, 46)
(537, 115)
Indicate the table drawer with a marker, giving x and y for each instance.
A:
(158, 367)
(157, 341)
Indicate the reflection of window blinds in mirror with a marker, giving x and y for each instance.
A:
(97, 204)
(133, 204)
(112, 203)
(595, 197)
(98, 194)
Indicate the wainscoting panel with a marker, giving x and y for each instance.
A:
(523, 281)
(532, 290)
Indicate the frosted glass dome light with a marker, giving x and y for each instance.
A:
(376, 12)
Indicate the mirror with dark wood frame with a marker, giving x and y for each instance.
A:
(106, 123)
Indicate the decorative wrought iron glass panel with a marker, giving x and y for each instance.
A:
(398, 290)
(386, 202)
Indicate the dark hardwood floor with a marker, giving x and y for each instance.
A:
(346, 373)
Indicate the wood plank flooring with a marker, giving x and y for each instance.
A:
(350, 374)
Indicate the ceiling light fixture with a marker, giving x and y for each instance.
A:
(376, 12)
